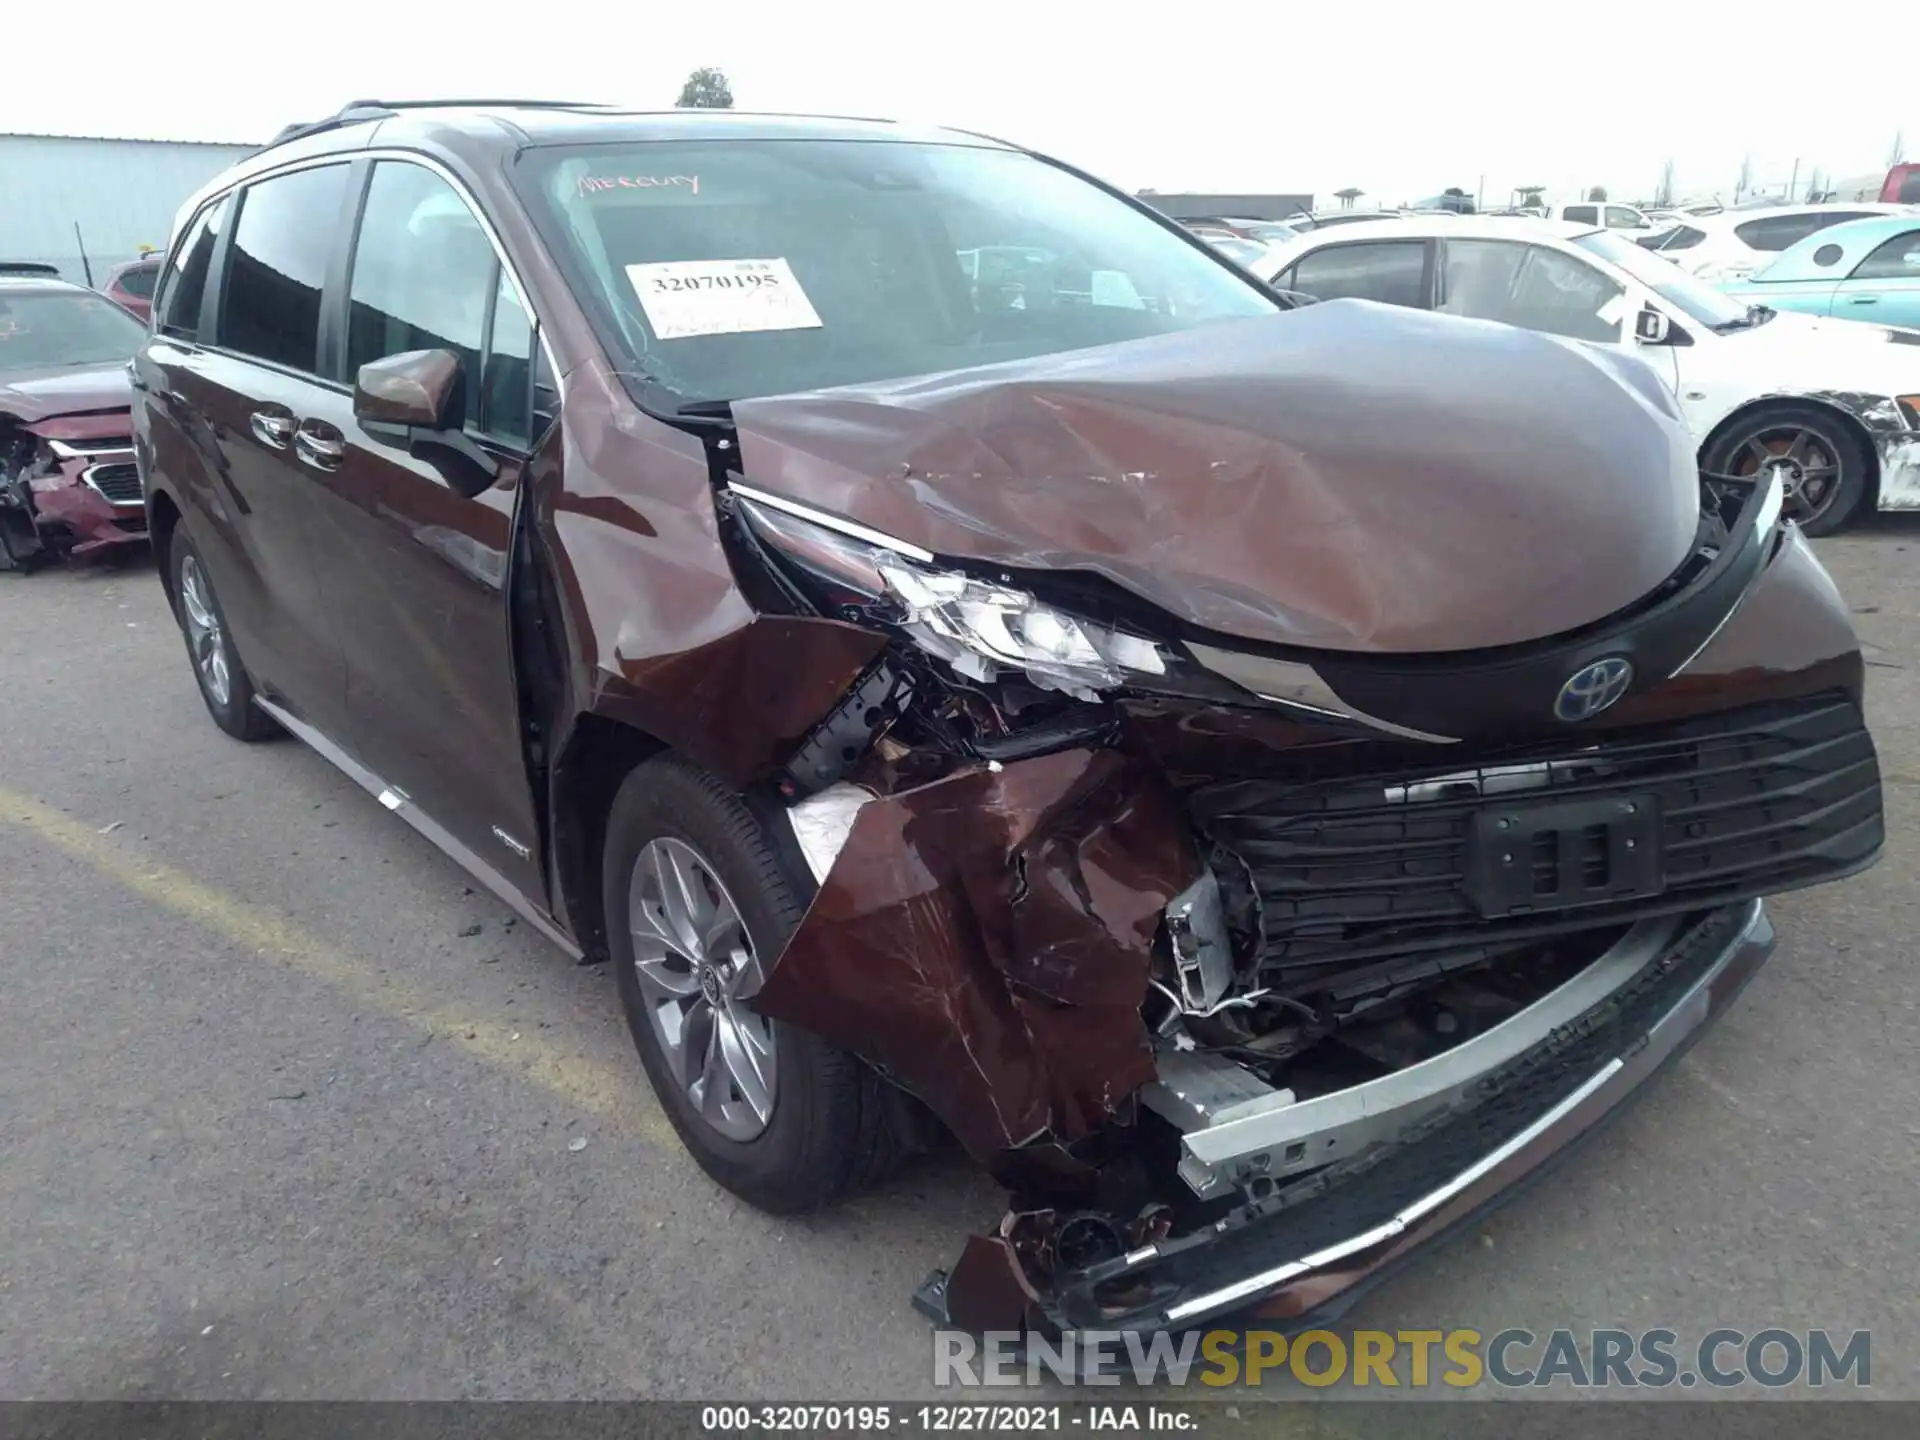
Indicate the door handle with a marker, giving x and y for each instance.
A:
(1863, 299)
(271, 429)
(318, 450)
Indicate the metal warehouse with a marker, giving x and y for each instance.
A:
(85, 204)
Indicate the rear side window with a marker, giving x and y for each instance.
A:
(1392, 272)
(186, 281)
(1777, 232)
(277, 266)
(1895, 259)
(1583, 214)
(140, 282)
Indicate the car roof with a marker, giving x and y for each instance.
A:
(476, 131)
(31, 284)
(1727, 219)
(523, 122)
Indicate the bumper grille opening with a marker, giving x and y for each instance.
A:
(118, 482)
(1375, 867)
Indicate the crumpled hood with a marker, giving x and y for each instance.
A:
(1348, 476)
(32, 395)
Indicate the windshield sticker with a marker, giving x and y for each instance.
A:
(684, 298)
(593, 184)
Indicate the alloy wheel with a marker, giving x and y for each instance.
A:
(1805, 463)
(203, 632)
(698, 974)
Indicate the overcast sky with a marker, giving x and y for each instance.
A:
(1401, 99)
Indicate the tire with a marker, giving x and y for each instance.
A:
(20, 547)
(217, 668)
(1790, 436)
(831, 1125)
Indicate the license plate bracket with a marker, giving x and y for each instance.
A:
(1525, 859)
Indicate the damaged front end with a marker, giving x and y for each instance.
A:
(1244, 964)
(68, 488)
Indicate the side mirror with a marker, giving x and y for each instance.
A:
(417, 399)
(1652, 327)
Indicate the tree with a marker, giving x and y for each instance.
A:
(1745, 182)
(1347, 196)
(1598, 192)
(1663, 197)
(1816, 185)
(706, 89)
(1899, 151)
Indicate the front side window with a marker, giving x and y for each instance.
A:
(1530, 286)
(507, 404)
(423, 275)
(1619, 217)
(277, 266)
(57, 328)
(186, 279)
(139, 281)
(1392, 272)
(1693, 298)
(1895, 259)
(1582, 214)
(723, 269)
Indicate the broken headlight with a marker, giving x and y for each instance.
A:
(977, 627)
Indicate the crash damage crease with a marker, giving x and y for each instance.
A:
(81, 413)
(986, 940)
(662, 638)
(1896, 447)
(1276, 479)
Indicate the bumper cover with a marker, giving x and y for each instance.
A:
(1345, 1227)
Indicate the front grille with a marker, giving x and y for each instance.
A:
(1366, 869)
(120, 483)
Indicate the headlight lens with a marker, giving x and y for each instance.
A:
(978, 628)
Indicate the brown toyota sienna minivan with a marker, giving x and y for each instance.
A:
(1265, 779)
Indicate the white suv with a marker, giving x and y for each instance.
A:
(1735, 243)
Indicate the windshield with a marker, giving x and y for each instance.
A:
(50, 328)
(726, 269)
(1693, 298)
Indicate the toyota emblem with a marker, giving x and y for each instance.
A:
(1593, 688)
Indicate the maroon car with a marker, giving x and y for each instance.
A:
(1265, 779)
(68, 485)
(131, 284)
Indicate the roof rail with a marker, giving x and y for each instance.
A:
(356, 112)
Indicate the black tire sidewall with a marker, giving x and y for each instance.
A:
(1847, 450)
(798, 1162)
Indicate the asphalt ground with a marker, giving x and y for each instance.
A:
(288, 1109)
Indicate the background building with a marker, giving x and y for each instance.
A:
(1245, 207)
(121, 194)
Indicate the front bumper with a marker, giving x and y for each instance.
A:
(1352, 1223)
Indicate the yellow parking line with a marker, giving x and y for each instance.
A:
(616, 1094)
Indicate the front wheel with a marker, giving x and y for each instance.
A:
(1821, 463)
(697, 901)
(216, 664)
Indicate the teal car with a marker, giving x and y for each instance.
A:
(1860, 270)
